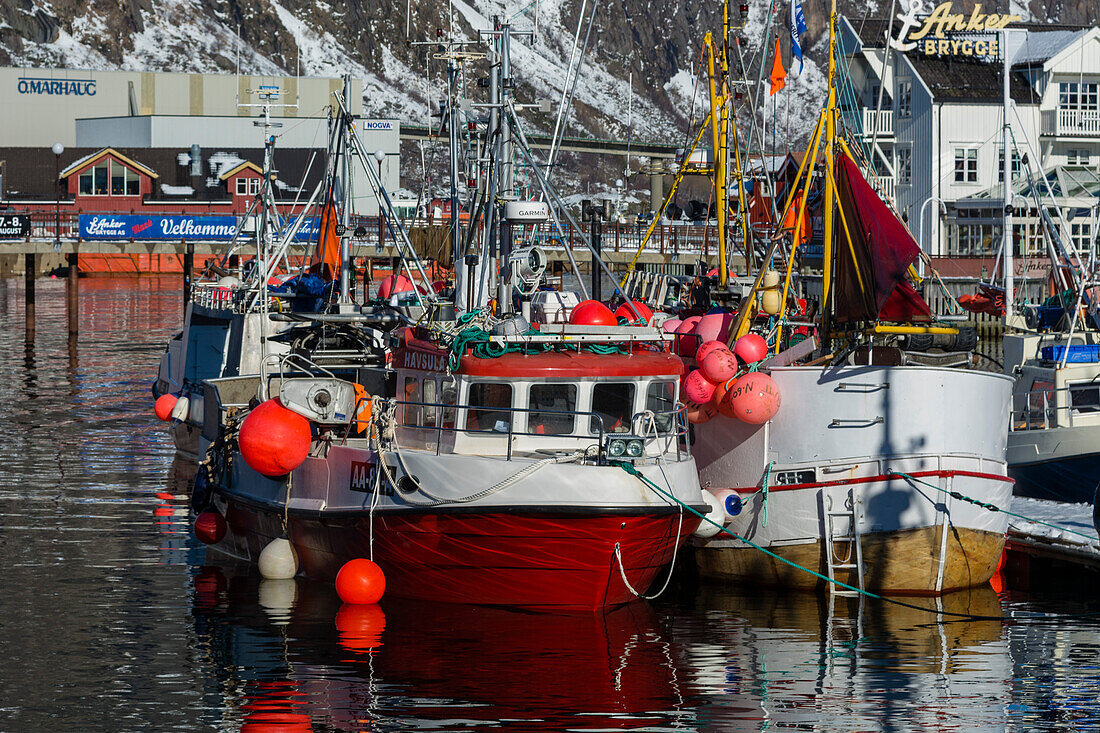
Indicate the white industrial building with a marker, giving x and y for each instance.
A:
(940, 132)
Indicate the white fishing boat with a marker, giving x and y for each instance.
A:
(884, 468)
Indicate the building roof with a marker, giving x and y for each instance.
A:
(99, 155)
(244, 165)
(955, 80)
(1062, 182)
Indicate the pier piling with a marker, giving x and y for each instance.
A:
(29, 266)
(188, 268)
(72, 293)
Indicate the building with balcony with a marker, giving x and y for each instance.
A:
(938, 135)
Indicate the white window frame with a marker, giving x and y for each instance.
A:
(904, 165)
(905, 99)
(966, 164)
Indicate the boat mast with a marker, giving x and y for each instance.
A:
(718, 121)
(345, 216)
(829, 200)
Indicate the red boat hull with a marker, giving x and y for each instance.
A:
(562, 561)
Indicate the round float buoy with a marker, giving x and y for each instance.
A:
(697, 388)
(210, 527)
(163, 406)
(705, 348)
(699, 414)
(592, 313)
(181, 409)
(714, 326)
(624, 311)
(274, 440)
(731, 502)
(687, 343)
(755, 398)
(718, 365)
(723, 404)
(750, 348)
(671, 325)
(277, 560)
(360, 626)
(360, 581)
(392, 285)
(715, 514)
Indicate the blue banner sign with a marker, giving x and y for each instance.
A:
(136, 226)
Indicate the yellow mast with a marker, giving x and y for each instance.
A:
(718, 121)
(830, 192)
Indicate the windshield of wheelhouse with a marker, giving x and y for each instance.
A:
(490, 407)
(613, 405)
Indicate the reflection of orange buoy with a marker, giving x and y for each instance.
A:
(754, 398)
(163, 406)
(210, 527)
(274, 440)
(360, 581)
(360, 626)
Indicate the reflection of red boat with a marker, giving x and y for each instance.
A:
(436, 662)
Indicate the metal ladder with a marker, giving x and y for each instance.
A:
(849, 537)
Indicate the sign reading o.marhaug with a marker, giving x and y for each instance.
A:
(56, 87)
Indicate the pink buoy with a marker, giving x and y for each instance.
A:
(624, 311)
(751, 348)
(755, 398)
(706, 347)
(697, 388)
(699, 414)
(718, 365)
(671, 325)
(714, 327)
(687, 343)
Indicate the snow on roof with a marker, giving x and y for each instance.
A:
(1043, 45)
(176, 190)
(221, 162)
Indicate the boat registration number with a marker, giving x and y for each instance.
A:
(364, 474)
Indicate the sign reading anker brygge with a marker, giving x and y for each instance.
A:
(931, 34)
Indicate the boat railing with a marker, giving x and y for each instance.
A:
(1051, 407)
(647, 425)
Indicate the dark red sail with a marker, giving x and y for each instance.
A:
(871, 266)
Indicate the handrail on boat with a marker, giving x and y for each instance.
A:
(1042, 408)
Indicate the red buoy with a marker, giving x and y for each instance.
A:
(624, 311)
(274, 440)
(392, 285)
(360, 582)
(706, 348)
(592, 313)
(755, 398)
(750, 348)
(697, 388)
(210, 528)
(717, 365)
(687, 343)
(163, 406)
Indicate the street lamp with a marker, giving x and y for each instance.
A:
(920, 228)
(58, 149)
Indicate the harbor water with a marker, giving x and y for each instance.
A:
(116, 619)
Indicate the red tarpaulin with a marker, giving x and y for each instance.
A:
(870, 271)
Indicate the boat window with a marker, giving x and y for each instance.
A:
(431, 413)
(661, 398)
(1085, 397)
(552, 409)
(490, 407)
(450, 396)
(411, 394)
(614, 403)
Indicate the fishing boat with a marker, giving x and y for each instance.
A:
(494, 458)
(884, 467)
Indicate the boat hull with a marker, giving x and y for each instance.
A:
(1056, 464)
(564, 560)
(876, 444)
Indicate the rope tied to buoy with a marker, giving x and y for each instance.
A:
(629, 468)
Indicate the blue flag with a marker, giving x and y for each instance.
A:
(798, 27)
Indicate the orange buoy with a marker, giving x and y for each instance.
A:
(360, 582)
(210, 528)
(722, 397)
(274, 440)
(624, 311)
(718, 365)
(163, 406)
(755, 398)
(392, 285)
(699, 414)
(592, 313)
(751, 348)
(360, 626)
(697, 388)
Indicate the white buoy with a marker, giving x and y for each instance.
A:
(716, 515)
(278, 561)
(732, 503)
(181, 409)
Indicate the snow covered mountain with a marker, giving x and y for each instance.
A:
(640, 76)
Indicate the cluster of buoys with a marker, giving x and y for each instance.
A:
(694, 331)
(595, 313)
(274, 440)
(171, 407)
(715, 387)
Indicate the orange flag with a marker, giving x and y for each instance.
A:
(779, 74)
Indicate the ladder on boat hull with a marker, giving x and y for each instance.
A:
(842, 528)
